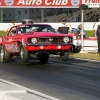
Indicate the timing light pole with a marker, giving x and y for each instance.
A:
(82, 41)
(82, 8)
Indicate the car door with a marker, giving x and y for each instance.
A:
(11, 40)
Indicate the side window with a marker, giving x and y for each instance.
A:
(47, 29)
(20, 30)
(12, 32)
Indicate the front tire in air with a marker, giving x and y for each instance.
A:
(65, 56)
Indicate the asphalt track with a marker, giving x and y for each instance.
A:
(71, 80)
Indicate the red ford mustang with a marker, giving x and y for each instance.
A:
(26, 40)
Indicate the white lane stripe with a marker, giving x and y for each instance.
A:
(30, 90)
(78, 58)
(85, 59)
(12, 91)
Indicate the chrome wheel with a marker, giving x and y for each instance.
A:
(5, 56)
(2, 55)
(22, 53)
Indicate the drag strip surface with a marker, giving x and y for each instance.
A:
(71, 80)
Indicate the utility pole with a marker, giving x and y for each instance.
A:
(82, 8)
(1, 15)
(42, 15)
(82, 21)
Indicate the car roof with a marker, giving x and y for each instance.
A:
(30, 24)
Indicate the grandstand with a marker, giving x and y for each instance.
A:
(90, 15)
(51, 14)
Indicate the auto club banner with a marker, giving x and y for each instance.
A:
(92, 3)
(40, 3)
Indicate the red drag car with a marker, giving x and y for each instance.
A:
(25, 40)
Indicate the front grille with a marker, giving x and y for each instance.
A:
(43, 40)
(49, 40)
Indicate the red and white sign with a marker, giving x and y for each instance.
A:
(41, 3)
(92, 3)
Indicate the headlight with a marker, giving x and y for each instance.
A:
(33, 40)
(66, 39)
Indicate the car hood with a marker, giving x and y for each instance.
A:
(45, 34)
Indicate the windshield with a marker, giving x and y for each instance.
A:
(37, 28)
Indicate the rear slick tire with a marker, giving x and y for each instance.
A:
(24, 55)
(5, 56)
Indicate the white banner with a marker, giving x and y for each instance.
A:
(92, 3)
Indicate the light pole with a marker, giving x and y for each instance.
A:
(1, 15)
(82, 8)
(42, 15)
(82, 41)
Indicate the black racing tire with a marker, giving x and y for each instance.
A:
(24, 55)
(73, 49)
(65, 56)
(43, 58)
(5, 57)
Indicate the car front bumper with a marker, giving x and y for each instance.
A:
(48, 47)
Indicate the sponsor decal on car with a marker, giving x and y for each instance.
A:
(9, 40)
(50, 39)
(12, 47)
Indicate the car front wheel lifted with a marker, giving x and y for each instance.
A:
(65, 56)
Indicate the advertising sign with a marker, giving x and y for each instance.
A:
(92, 3)
(40, 3)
